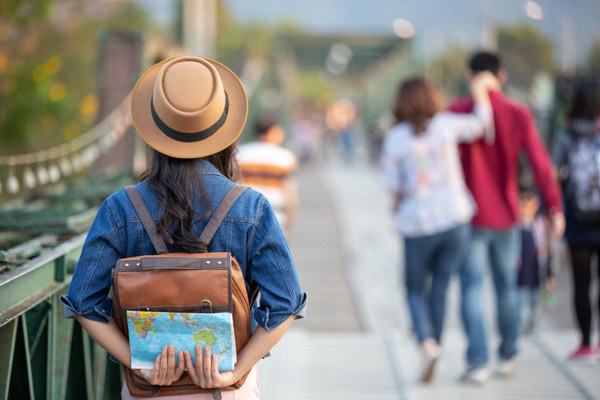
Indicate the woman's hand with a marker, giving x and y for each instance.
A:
(166, 370)
(481, 84)
(206, 371)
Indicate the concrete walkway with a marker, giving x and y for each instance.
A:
(356, 342)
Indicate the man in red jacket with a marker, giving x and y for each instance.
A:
(491, 170)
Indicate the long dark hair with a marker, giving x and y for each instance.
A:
(586, 101)
(176, 182)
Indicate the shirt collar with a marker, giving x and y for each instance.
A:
(206, 168)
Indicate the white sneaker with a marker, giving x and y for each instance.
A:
(507, 368)
(428, 361)
(476, 374)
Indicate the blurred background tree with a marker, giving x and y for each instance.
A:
(236, 43)
(48, 67)
(259, 52)
(314, 91)
(525, 51)
(593, 60)
(448, 70)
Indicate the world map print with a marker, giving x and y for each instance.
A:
(150, 331)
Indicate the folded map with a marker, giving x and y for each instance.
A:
(149, 331)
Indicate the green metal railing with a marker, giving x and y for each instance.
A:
(43, 355)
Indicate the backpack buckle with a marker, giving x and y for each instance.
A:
(208, 304)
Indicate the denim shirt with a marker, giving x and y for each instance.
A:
(250, 233)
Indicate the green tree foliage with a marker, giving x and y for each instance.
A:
(448, 70)
(525, 51)
(23, 13)
(313, 90)
(240, 43)
(48, 68)
(593, 62)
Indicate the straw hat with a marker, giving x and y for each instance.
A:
(189, 107)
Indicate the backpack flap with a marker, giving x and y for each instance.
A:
(182, 281)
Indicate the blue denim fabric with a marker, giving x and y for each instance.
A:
(501, 250)
(437, 256)
(250, 233)
(528, 300)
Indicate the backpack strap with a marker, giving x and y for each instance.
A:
(146, 218)
(220, 213)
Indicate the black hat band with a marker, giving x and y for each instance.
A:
(193, 136)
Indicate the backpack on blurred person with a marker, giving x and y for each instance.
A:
(582, 184)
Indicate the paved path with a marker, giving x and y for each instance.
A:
(348, 256)
(317, 253)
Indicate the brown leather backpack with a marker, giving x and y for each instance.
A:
(181, 282)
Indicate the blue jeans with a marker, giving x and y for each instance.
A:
(500, 249)
(436, 256)
(529, 307)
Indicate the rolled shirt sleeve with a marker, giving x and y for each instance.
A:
(91, 282)
(272, 268)
(470, 127)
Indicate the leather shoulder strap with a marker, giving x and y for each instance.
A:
(147, 221)
(221, 212)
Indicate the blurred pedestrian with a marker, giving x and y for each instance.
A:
(491, 170)
(377, 132)
(306, 137)
(576, 154)
(347, 144)
(534, 269)
(270, 169)
(431, 202)
(340, 118)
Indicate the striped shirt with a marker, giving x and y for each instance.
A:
(265, 168)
